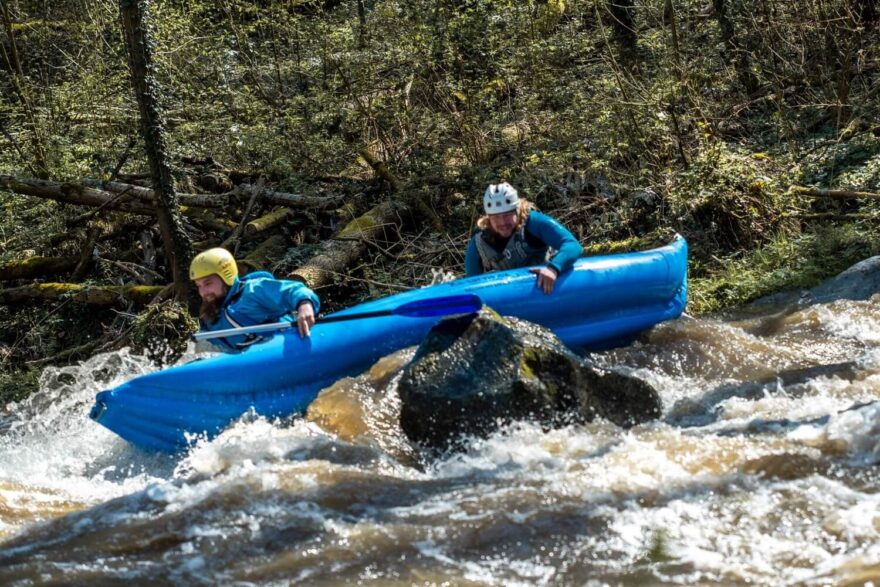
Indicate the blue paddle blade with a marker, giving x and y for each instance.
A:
(461, 304)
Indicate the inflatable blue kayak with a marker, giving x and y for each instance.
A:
(603, 302)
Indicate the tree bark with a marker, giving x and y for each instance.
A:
(286, 199)
(337, 255)
(149, 195)
(135, 17)
(73, 194)
(269, 220)
(94, 295)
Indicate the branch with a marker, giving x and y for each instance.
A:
(835, 194)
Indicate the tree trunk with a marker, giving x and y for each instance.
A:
(285, 199)
(337, 255)
(670, 18)
(835, 194)
(72, 193)
(267, 221)
(139, 44)
(149, 195)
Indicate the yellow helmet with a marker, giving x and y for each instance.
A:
(214, 261)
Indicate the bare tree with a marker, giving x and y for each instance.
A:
(178, 246)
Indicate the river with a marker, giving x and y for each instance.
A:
(763, 470)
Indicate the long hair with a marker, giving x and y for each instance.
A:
(522, 214)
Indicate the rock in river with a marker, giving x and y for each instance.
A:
(475, 373)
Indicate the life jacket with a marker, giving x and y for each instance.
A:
(522, 250)
(228, 318)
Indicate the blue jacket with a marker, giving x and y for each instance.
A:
(542, 229)
(258, 298)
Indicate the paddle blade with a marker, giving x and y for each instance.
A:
(460, 304)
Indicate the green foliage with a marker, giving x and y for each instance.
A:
(786, 262)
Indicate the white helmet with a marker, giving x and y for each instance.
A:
(500, 198)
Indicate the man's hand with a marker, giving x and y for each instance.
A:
(305, 318)
(546, 278)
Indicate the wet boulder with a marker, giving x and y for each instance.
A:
(475, 373)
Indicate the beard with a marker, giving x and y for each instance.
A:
(210, 310)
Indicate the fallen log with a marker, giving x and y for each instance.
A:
(273, 248)
(207, 221)
(234, 239)
(269, 220)
(834, 194)
(832, 216)
(349, 244)
(73, 194)
(245, 191)
(380, 168)
(86, 294)
(37, 267)
(148, 195)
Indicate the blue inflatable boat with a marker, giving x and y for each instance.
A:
(603, 302)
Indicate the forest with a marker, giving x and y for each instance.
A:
(347, 143)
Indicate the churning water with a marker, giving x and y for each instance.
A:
(763, 470)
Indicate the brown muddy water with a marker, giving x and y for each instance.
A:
(762, 471)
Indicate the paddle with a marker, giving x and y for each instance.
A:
(460, 304)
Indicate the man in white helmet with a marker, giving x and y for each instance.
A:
(233, 301)
(514, 234)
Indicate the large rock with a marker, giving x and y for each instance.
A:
(475, 373)
(859, 282)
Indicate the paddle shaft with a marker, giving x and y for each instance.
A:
(459, 304)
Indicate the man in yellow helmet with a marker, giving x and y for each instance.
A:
(230, 301)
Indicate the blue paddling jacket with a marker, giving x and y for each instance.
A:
(257, 298)
(540, 240)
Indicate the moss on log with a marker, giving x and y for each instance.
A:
(272, 249)
(36, 267)
(85, 294)
(269, 220)
(337, 255)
